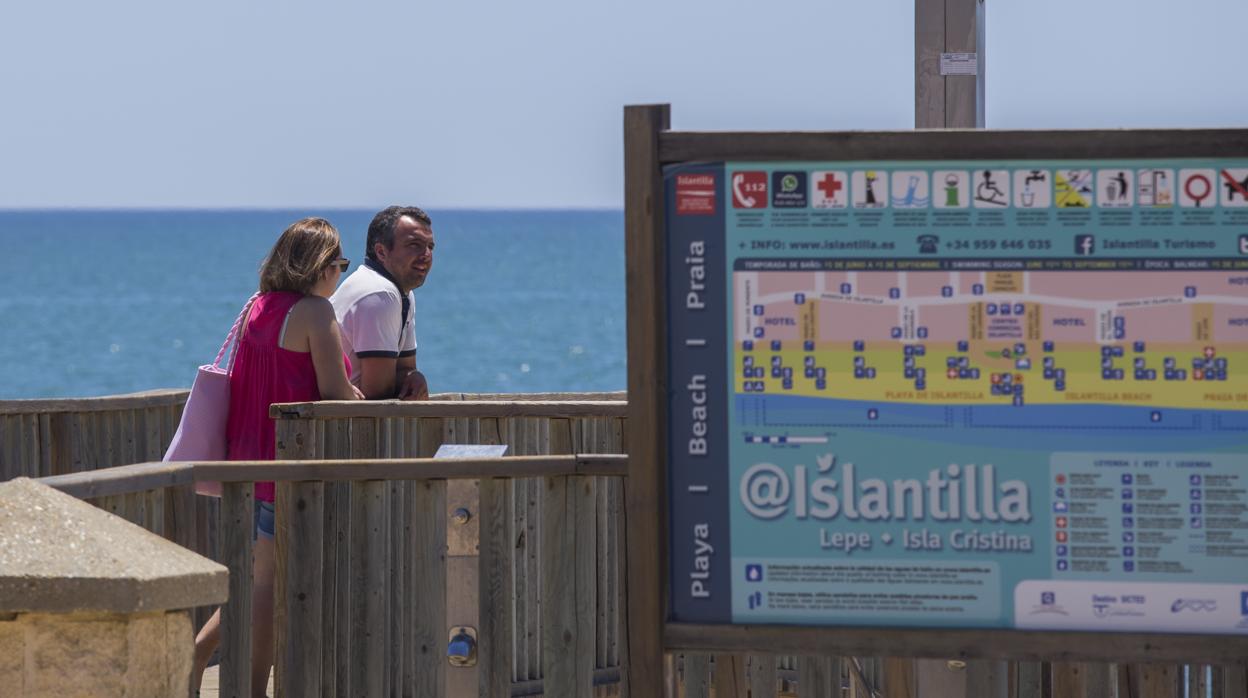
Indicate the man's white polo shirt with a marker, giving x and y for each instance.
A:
(370, 310)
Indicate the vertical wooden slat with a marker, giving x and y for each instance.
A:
(128, 440)
(1029, 680)
(647, 389)
(1068, 679)
(494, 640)
(729, 677)
(534, 444)
(48, 447)
(1232, 680)
(60, 443)
(153, 445)
(79, 441)
(407, 532)
(900, 677)
(428, 600)
(618, 598)
(368, 585)
(568, 586)
(987, 678)
(763, 675)
(520, 531)
(1098, 679)
(32, 445)
(336, 606)
(396, 521)
(697, 676)
(304, 548)
(1159, 681)
(236, 527)
(180, 515)
(602, 571)
(294, 439)
(11, 464)
(105, 447)
(817, 677)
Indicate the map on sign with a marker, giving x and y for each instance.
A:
(961, 393)
(991, 337)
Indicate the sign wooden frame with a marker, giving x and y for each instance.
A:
(649, 145)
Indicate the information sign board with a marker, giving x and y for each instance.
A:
(959, 393)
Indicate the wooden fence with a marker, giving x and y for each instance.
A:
(529, 538)
(520, 521)
(350, 645)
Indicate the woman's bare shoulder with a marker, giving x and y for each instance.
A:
(314, 309)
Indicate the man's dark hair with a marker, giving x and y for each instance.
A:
(382, 228)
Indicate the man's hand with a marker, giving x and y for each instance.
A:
(414, 386)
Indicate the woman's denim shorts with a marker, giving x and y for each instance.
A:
(264, 520)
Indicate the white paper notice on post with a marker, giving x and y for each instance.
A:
(958, 64)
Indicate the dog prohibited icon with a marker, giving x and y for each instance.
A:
(1234, 187)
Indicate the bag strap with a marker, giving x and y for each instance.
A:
(233, 335)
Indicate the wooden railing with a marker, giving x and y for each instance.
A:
(312, 431)
(322, 645)
(387, 487)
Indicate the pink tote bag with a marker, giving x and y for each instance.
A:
(201, 433)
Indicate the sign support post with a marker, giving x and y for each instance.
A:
(645, 504)
(949, 64)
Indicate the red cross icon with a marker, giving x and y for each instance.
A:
(830, 185)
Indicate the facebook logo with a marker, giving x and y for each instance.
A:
(1085, 244)
(753, 573)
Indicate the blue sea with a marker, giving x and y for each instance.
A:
(109, 302)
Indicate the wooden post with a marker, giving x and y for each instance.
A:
(948, 101)
(568, 586)
(237, 506)
(304, 588)
(494, 639)
(645, 506)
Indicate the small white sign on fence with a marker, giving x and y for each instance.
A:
(471, 451)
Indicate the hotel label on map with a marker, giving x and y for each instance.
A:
(960, 393)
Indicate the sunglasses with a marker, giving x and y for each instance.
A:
(342, 264)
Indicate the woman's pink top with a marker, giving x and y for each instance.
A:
(265, 373)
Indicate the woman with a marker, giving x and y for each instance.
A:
(288, 351)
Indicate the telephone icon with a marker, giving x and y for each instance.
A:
(928, 244)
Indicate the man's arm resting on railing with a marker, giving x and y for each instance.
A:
(384, 378)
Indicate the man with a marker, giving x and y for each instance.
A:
(374, 305)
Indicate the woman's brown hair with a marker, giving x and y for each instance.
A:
(299, 256)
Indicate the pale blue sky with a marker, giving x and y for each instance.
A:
(518, 104)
